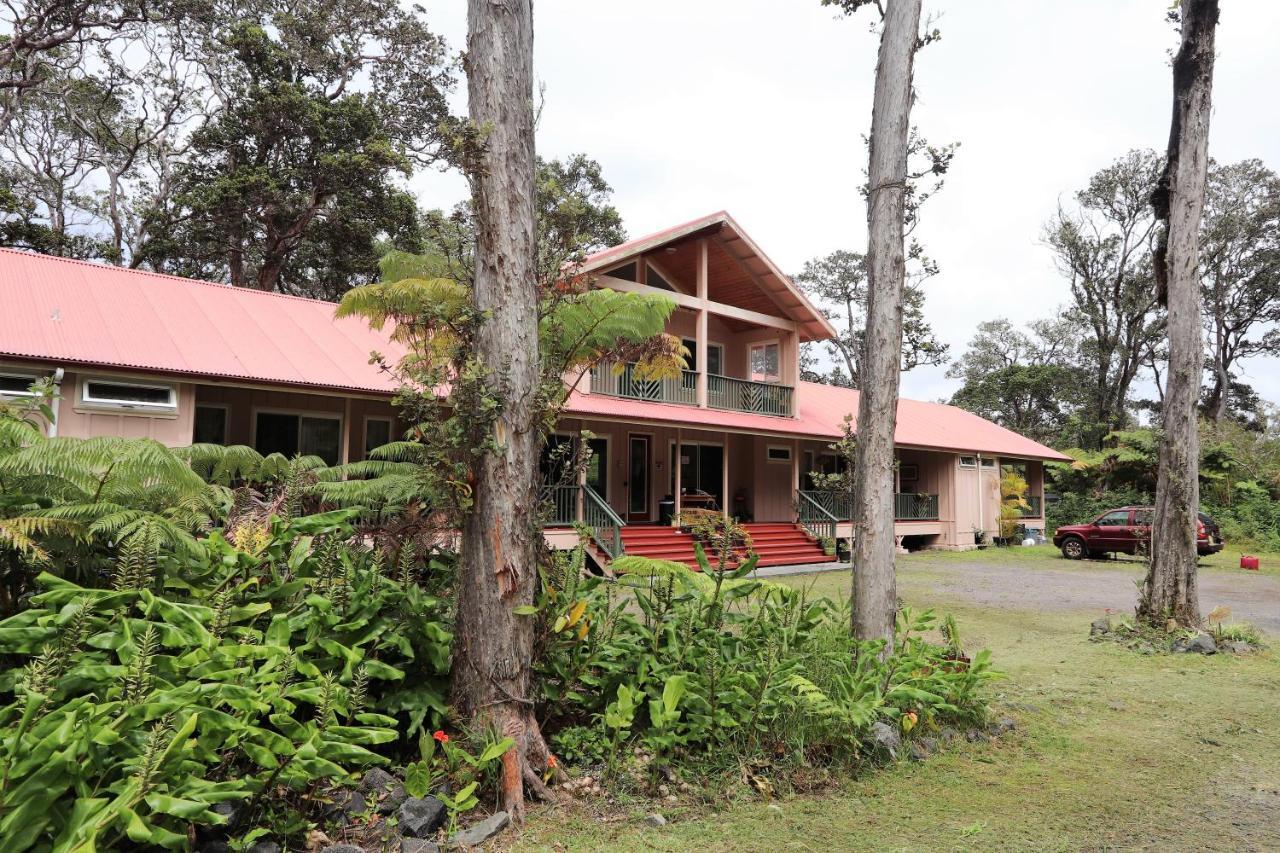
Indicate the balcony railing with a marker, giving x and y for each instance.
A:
(627, 382)
(911, 507)
(906, 507)
(744, 395)
(561, 505)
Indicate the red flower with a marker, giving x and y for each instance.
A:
(441, 736)
(551, 761)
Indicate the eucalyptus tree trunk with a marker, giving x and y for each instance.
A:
(874, 582)
(493, 645)
(1170, 587)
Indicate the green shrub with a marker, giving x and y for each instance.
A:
(716, 665)
(277, 659)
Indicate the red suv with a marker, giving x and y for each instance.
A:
(1124, 530)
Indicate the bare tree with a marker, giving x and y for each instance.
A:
(493, 646)
(1170, 588)
(875, 595)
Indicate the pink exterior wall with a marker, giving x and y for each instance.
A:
(81, 420)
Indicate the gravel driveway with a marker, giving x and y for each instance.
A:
(1252, 597)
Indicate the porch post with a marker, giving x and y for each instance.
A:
(578, 500)
(346, 431)
(795, 466)
(701, 335)
(676, 473)
(724, 478)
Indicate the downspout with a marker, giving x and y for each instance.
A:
(982, 521)
(58, 376)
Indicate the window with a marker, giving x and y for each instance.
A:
(765, 363)
(988, 463)
(1144, 517)
(377, 432)
(16, 384)
(128, 395)
(1116, 518)
(715, 356)
(210, 425)
(968, 462)
(290, 435)
(777, 453)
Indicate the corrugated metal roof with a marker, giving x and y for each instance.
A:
(75, 312)
(62, 310)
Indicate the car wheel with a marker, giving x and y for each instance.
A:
(1073, 549)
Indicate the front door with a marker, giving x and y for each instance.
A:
(638, 478)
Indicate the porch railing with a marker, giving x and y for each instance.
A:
(906, 507)
(604, 523)
(911, 507)
(607, 378)
(744, 395)
(1033, 509)
(814, 517)
(563, 505)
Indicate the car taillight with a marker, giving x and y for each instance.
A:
(1200, 529)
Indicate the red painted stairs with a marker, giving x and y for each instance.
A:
(777, 544)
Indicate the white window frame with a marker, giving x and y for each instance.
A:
(19, 374)
(364, 438)
(300, 414)
(760, 377)
(972, 463)
(90, 402)
(988, 462)
(771, 459)
(226, 421)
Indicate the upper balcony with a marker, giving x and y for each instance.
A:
(741, 319)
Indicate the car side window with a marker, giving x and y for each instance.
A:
(1142, 517)
(1119, 518)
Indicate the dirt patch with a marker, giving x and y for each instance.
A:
(1032, 586)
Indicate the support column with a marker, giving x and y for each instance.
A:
(725, 478)
(676, 475)
(701, 335)
(346, 431)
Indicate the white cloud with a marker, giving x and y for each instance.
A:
(759, 108)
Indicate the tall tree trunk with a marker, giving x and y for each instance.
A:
(1170, 587)
(874, 583)
(493, 646)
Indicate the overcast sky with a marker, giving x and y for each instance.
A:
(758, 108)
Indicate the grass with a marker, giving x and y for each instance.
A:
(1113, 751)
(1042, 555)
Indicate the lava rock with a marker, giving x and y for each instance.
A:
(1203, 644)
(1238, 647)
(928, 744)
(918, 752)
(386, 790)
(1100, 627)
(1004, 725)
(348, 804)
(973, 735)
(948, 735)
(418, 845)
(342, 848)
(886, 737)
(420, 818)
(479, 833)
(265, 847)
(655, 820)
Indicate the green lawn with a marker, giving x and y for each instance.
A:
(1113, 751)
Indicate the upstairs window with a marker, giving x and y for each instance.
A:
(766, 364)
(111, 393)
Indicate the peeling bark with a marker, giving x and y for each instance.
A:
(874, 583)
(1170, 587)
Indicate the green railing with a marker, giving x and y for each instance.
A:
(906, 507)
(1033, 508)
(743, 395)
(815, 518)
(625, 380)
(911, 507)
(838, 504)
(562, 505)
(604, 523)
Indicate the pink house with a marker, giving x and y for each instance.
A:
(142, 354)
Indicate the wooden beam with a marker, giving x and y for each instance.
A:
(693, 303)
(701, 336)
(679, 454)
(724, 476)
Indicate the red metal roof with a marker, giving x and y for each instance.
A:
(76, 312)
(80, 313)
